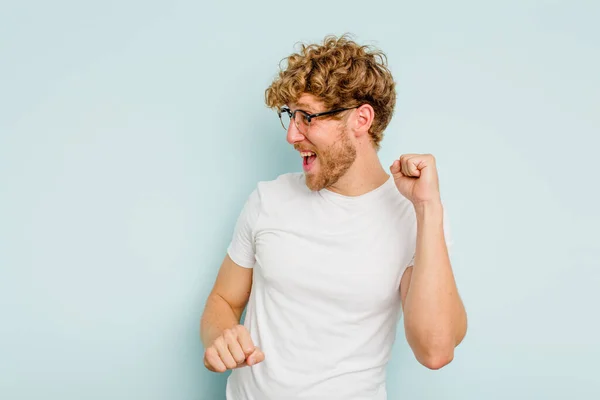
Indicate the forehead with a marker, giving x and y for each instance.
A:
(307, 102)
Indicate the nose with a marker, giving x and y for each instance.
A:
(294, 135)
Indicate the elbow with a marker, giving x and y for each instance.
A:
(434, 350)
(436, 360)
(433, 355)
(437, 355)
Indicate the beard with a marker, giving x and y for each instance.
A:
(334, 162)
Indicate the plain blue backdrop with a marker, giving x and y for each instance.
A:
(131, 133)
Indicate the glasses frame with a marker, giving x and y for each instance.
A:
(307, 116)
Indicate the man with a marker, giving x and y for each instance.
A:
(327, 260)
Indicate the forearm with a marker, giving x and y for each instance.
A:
(434, 316)
(218, 315)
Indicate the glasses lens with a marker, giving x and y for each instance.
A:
(301, 122)
(285, 119)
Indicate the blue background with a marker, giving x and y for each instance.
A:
(131, 133)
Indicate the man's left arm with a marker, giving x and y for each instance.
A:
(435, 320)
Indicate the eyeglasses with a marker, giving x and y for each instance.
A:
(302, 118)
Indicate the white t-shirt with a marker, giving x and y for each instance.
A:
(325, 299)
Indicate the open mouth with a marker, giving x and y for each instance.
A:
(308, 157)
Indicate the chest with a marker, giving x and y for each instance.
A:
(356, 261)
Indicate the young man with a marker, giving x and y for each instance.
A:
(327, 260)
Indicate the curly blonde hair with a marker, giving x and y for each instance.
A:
(340, 73)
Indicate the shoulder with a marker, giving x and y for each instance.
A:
(284, 186)
(275, 191)
(290, 180)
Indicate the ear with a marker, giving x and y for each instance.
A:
(365, 115)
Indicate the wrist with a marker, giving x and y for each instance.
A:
(429, 214)
(429, 209)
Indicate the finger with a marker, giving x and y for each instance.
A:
(404, 165)
(234, 347)
(408, 165)
(212, 361)
(412, 166)
(256, 357)
(245, 341)
(224, 353)
(395, 167)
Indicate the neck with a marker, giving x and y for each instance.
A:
(365, 175)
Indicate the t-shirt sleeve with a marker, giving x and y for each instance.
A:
(242, 247)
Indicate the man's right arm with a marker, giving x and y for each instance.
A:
(228, 345)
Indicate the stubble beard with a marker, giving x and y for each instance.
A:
(334, 162)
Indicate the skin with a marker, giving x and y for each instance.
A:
(228, 344)
(435, 320)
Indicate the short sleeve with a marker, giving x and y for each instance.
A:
(241, 249)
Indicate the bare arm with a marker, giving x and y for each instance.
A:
(226, 301)
(435, 320)
(228, 345)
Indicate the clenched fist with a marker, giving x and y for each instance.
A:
(416, 178)
(233, 349)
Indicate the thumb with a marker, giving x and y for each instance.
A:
(395, 168)
(256, 357)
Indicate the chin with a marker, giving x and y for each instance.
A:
(313, 181)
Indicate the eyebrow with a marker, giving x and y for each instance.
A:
(304, 107)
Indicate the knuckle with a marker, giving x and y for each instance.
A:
(211, 355)
(219, 342)
(243, 333)
(240, 328)
(210, 352)
(229, 335)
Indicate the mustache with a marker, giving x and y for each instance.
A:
(298, 147)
